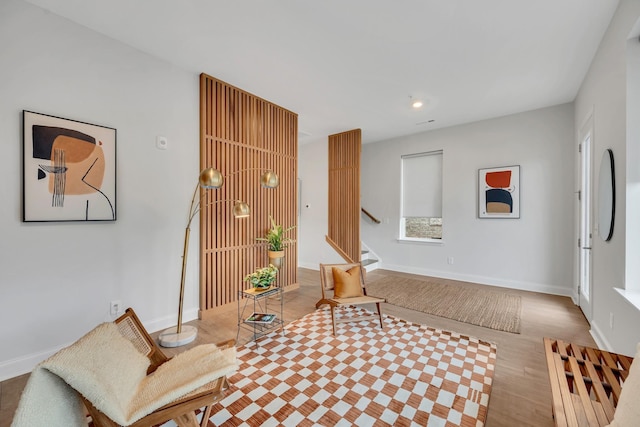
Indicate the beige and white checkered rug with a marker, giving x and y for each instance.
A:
(408, 374)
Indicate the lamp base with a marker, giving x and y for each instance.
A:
(170, 338)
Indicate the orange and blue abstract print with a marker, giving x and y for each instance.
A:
(499, 192)
(499, 198)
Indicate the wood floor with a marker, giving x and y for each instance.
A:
(520, 395)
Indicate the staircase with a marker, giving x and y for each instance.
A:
(368, 262)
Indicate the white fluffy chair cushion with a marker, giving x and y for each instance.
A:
(48, 401)
(182, 374)
(108, 371)
(628, 410)
(103, 366)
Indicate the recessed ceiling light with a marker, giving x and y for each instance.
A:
(425, 122)
(415, 103)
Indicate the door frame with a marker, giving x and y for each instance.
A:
(585, 231)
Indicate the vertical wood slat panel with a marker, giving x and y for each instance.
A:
(205, 129)
(344, 193)
(242, 136)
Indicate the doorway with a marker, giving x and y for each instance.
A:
(585, 224)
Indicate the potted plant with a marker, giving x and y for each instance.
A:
(276, 241)
(262, 278)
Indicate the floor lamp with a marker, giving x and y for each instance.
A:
(210, 178)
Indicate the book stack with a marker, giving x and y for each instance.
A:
(261, 318)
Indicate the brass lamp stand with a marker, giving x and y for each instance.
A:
(210, 178)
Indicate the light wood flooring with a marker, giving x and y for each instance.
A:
(520, 395)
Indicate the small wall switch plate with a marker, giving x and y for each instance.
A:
(162, 143)
(450, 260)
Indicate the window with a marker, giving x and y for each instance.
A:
(421, 216)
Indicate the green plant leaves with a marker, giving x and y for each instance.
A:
(262, 277)
(275, 236)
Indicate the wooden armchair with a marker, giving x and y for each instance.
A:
(331, 296)
(182, 410)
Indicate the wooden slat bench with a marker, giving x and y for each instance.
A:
(585, 383)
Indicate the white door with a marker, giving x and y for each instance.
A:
(585, 234)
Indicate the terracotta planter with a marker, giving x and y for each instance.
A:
(276, 258)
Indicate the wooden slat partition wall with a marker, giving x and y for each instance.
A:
(344, 194)
(243, 135)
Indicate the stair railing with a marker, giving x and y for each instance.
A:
(373, 218)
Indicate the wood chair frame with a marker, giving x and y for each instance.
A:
(327, 284)
(585, 383)
(182, 410)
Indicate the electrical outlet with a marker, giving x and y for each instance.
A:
(115, 307)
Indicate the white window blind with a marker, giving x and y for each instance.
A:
(422, 185)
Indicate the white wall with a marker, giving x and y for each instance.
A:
(56, 279)
(533, 252)
(313, 164)
(632, 277)
(603, 91)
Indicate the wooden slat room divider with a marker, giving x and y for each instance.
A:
(344, 194)
(242, 136)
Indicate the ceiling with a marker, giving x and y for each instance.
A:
(345, 64)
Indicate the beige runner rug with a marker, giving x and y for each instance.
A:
(490, 309)
(407, 374)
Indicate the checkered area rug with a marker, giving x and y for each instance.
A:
(404, 375)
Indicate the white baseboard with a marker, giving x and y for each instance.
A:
(170, 320)
(310, 266)
(25, 364)
(599, 337)
(492, 281)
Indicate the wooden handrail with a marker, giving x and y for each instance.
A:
(373, 218)
(338, 249)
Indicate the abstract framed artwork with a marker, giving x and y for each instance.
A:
(499, 192)
(69, 170)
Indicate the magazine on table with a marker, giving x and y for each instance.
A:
(261, 318)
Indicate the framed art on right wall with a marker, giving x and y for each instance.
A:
(499, 192)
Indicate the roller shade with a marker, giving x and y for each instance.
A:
(422, 185)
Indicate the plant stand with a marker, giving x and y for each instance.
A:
(260, 299)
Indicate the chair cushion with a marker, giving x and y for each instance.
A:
(346, 283)
(103, 366)
(628, 411)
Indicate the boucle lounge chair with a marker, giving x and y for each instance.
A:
(124, 379)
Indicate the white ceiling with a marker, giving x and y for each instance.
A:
(344, 64)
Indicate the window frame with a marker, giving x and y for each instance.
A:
(402, 221)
